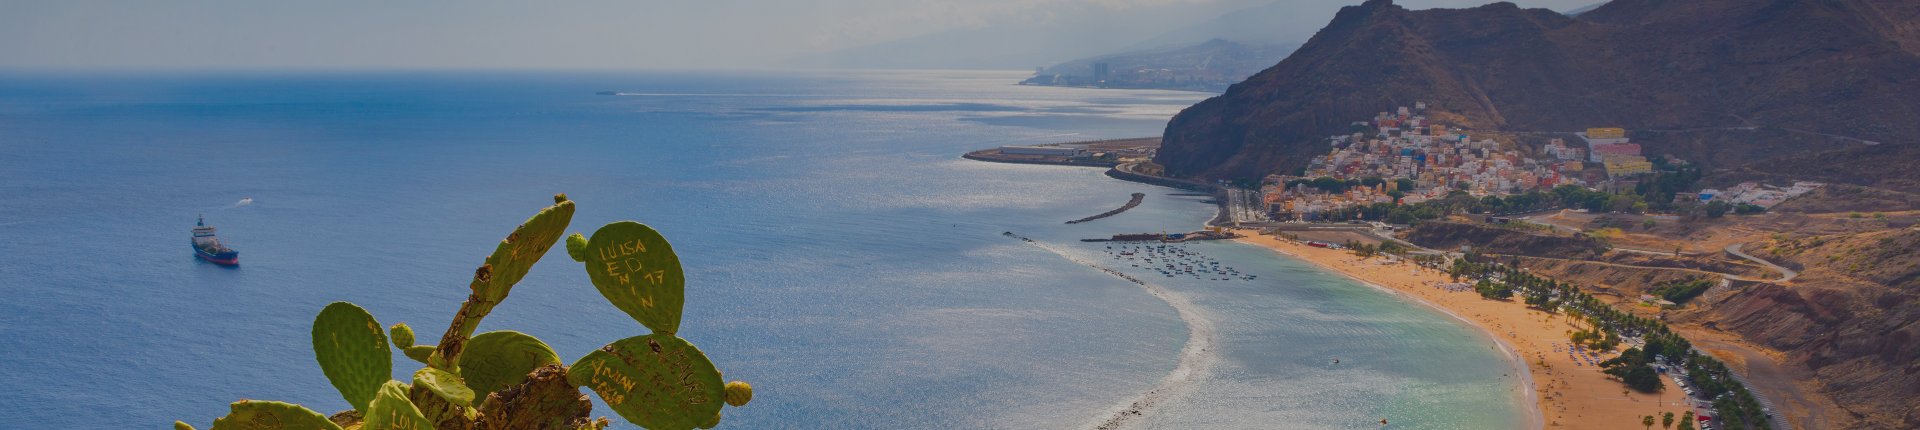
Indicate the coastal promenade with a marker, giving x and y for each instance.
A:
(1567, 385)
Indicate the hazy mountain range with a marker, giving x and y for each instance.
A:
(1080, 31)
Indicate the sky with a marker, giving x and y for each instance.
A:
(552, 34)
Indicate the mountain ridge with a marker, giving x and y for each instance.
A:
(1819, 66)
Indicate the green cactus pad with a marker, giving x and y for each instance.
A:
(352, 351)
(263, 415)
(419, 353)
(635, 268)
(402, 336)
(509, 262)
(739, 393)
(391, 410)
(447, 385)
(577, 247)
(656, 381)
(497, 359)
(180, 425)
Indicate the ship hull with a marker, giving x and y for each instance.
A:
(227, 258)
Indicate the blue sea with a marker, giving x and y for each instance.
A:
(840, 255)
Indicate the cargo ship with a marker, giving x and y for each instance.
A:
(208, 247)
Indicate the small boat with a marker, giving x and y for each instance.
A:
(207, 246)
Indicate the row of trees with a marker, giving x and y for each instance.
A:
(1710, 377)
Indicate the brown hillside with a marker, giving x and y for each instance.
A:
(1792, 68)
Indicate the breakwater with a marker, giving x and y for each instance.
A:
(1137, 197)
(1125, 172)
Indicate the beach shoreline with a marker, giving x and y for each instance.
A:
(1562, 391)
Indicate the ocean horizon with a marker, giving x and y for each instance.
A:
(840, 255)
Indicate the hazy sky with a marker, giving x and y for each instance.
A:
(555, 34)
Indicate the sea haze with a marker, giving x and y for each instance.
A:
(840, 255)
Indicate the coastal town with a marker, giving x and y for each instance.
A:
(1404, 157)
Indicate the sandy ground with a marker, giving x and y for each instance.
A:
(1572, 394)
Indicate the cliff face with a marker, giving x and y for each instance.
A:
(1840, 67)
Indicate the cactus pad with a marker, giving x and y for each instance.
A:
(739, 393)
(635, 268)
(179, 425)
(259, 415)
(510, 262)
(391, 410)
(497, 359)
(656, 381)
(352, 351)
(516, 254)
(445, 384)
(402, 336)
(419, 353)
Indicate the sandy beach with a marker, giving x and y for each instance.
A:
(1571, 391)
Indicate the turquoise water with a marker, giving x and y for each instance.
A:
(839, 254)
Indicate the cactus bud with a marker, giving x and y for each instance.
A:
(402, 336)
(557, 198)
(739, 393)
(577, 247)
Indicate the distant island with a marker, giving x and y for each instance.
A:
(1209, 66)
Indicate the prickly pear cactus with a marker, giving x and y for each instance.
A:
(390, 410)
(635, 268)
(262, 415)
(656, 381)
(497, 359)
(402, 336)
(447, 385)
(509, 262)
(352, 351)
(177, 425)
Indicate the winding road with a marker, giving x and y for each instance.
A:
(1785, 273)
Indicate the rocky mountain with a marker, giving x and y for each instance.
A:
(1784, 84)
(1208, 66)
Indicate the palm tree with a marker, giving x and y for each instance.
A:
(1666, 420)
(1648, 421)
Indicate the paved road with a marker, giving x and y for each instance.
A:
(1785, 273)
(1774, 382)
